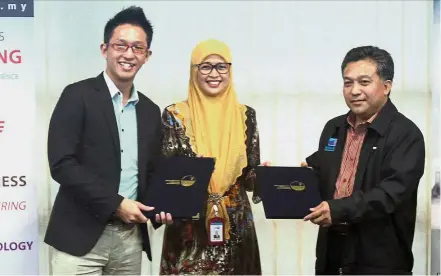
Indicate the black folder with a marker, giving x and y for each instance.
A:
(288, 192)
(179, 186)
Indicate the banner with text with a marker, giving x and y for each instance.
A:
(18, 194)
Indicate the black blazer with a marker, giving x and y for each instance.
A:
(84, 158)
(381, 211)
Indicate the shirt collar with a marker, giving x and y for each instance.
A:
(351, 119)
(114, 90)
(380, 123)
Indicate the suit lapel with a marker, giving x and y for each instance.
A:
(106, 105)
(143, 137)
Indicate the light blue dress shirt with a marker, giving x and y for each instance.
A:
(128, 138)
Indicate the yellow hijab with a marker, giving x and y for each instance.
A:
(216, 128)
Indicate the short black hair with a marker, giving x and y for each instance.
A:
(383, 60)
(132, 15)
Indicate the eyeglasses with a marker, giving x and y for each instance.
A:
(206, 68)
(122, 47)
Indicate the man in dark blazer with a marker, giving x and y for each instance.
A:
(369, 163)
(103, 139)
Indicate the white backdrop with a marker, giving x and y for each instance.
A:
(287, 58)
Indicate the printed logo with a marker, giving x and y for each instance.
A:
(186, 181)
(2, 126)
(295, 185)
(332, 142)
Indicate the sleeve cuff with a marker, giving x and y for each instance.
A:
(338, 214)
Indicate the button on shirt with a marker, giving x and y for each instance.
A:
(128, 138)
(351, 154)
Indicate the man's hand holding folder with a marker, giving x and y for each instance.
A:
(130, 211)
(321, 215)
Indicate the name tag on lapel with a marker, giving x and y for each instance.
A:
(332, 142)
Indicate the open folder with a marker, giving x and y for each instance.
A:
(179, 186)
(287, 192)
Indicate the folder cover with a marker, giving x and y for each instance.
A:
(288, 192)
(179, 186)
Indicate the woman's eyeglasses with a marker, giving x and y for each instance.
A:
(205, 68)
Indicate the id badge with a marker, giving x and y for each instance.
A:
(216, 234)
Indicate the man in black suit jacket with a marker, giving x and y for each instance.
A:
(369, 162)
(103, 139)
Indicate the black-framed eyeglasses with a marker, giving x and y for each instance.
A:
(205, 68)
(122, 47)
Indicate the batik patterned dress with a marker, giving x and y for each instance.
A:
(186, 249)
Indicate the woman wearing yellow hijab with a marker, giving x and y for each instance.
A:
(212, 123)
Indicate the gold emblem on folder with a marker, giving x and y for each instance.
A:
(297, 186)
(196, 217)
(294, 186)
(186, 181)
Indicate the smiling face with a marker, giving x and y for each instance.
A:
(126, 52)
(364, 91)
(213, 75)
